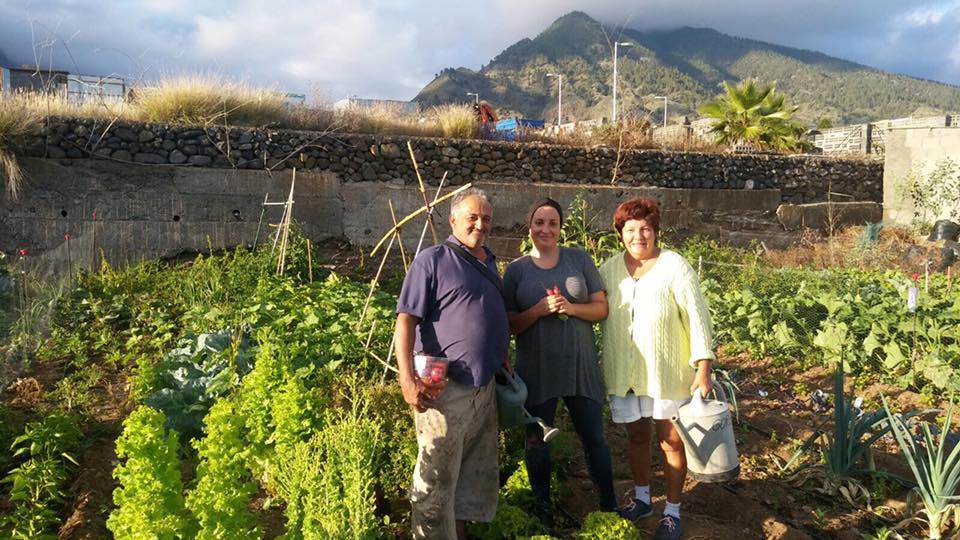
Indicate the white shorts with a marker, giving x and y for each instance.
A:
(630, 408)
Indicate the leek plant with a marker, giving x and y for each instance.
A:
(846, 451)
(936, 470)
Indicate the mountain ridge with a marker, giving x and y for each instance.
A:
(688, 65)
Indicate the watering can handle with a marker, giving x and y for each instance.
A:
(510, 376)
(697, 398)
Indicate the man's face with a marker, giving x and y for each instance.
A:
(471, 222)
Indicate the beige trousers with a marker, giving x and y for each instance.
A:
(456, 477)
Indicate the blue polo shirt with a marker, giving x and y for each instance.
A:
(462, 314)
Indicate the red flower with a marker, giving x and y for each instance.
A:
(66, 237)
(23, 252)
(915, 276)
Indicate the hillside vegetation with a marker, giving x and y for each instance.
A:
(686, 64)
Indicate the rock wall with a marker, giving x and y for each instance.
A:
(358, 158)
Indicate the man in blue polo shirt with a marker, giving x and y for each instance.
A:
(450, 305)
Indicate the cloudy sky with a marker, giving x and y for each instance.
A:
(392, 48)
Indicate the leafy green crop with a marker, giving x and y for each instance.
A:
(510, 522)
(224, 487)
(191, 377)
(607, 526)
(149, 500)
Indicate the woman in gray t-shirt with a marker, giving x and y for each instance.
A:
(553, 297)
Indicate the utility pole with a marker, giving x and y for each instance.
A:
(615, 45)
(559, 97)
(664, 98)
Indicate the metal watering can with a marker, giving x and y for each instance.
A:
(706, 428)
(511, 396)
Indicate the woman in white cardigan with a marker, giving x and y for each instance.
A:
(657, 351)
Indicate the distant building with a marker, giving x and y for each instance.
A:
(78, 88)
(31, 79)
(406, 107)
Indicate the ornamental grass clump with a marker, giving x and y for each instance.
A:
(457, 121)
(936, 470)
(210, 99)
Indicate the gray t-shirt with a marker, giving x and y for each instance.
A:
(556, 358)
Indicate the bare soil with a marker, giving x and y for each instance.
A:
(775, 416)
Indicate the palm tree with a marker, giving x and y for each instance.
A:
(754, 114)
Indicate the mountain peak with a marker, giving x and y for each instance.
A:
(688, 65)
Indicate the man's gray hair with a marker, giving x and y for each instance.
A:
(466, 194)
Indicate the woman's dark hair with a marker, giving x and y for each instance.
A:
(540, 203)
(638, 208)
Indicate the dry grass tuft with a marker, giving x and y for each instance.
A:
(210, 99)
(456, 120)
(384, 119)
(17, 120)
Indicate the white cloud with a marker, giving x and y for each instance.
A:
(391, 48)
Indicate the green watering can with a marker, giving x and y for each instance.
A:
(511, 396)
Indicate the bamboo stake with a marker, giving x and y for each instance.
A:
(285, 227)
(416, 213)
(375, 280)
(423, 191)
(403, 254)
(423, 232)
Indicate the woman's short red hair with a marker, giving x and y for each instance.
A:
(638, 208)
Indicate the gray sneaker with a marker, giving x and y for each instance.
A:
(669, 529)
(635, 510)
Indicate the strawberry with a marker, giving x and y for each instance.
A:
(555, 291)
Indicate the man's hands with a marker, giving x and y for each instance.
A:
(420, 394)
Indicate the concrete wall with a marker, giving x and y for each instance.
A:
(130, 212)
(134, 190)
(913, 149)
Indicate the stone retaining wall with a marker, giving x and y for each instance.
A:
(358, 158)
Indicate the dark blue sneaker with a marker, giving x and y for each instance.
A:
(669, 529)
(635, 510)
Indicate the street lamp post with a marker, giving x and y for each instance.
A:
(559, 97)
(476, 97)
(664, 98)
(615, 45)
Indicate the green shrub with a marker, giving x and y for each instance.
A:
(36, 492)
(36, 485)
(149, 500)
(607, 526)
(224, 487)
(341, 504)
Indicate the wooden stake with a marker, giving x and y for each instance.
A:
(309, 261)
(285, 227)
(416, 213)
(403, 254)
(423, 191)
